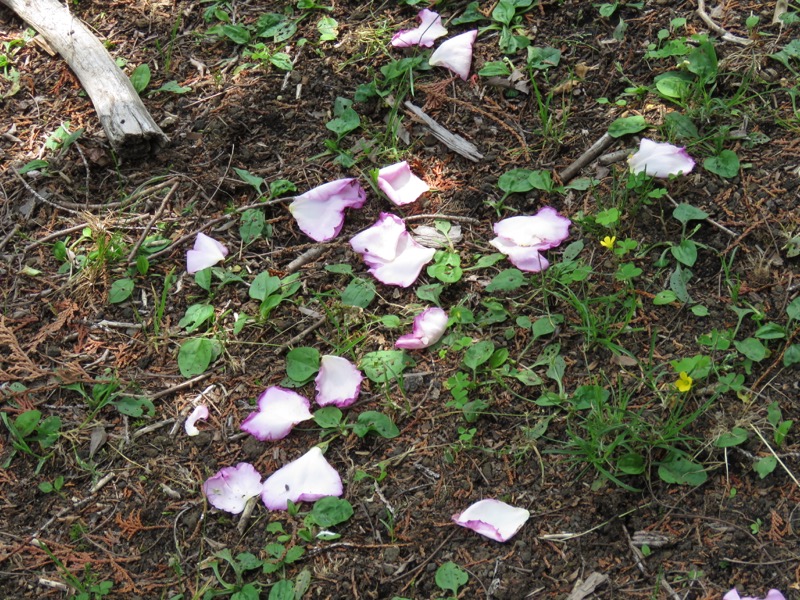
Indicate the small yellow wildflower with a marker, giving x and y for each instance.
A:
(684, 383)
(608, 242)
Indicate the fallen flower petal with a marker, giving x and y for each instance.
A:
(400, 185)
(320, 212)
(232, 487)
(430, 28)
(392, 255)
(200, 412)
(660, 159)
(771, 595)
(429, 327)
(455, 54)
(523, 238)
(206, 253)
(493, 519)
(278, 411)
(305, 479)
(338, 382)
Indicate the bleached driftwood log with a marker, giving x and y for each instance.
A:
(129, 127)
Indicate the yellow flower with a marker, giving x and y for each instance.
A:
(608, 242)
(684, 383)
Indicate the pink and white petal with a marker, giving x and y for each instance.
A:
(278, 411)
(493, 519)
(546, 229)
(305, 479)
(404, 270)
(200, 412)
(400, 185)
(232, 487)
(206, 253)
(525, 258)
(660, 159)
(455, 54)
(430, 28)
(338, 382)
(382, 239)
(732, 595)
(320, 212)
(429, 327)
(774, 595)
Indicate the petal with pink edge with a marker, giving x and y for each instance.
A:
(306, 479)
(380, 241)
(430, 28)
(660, 159)
(338, 381)
(455, 54)
(206, 253)
(320, 212)
(278, 411)
(546, 229)
(525, 258)
(771, 595)
(200, 412)
(429, 327)
(400, 185)
(493, 519)
(232, 487)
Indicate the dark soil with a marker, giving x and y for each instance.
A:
(132, 511)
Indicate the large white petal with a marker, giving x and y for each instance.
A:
(430, 28)
(429, 327)
(400, 185)
(338, 381)
(382, 239)
(493, 519)
(660, 159)
(455, 54)
(406, 266)
(320, 212)
(308, 478)
(232, 487)
(278, 411)
(546, 229)
(206, 253)
(525, 258)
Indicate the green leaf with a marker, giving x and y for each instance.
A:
(173, 87)
(496, 68)
(134, 407)
(546, 325)
(752, 349)
(330, 511)
(328, 29)
(26, 423)
(682, 471)
(279, 187)
(793, 310)
(685, 252)
(238, 34)
(515, 181)
(263, 286)
(450, 577)
(340, 268)
(734, 437)
(626, 126)
(302, 363)
(384, 365)
(471, 14)
(140, 78)
(608, 217)
(488, 261)
(674, 86)
(33, 165)
(677, 283)
(627, 271)
(120, 291)
(254, 181)
(631, 464)
(541, 180)
(503, 12)
(664, 297)
(792, 355)
(345, 123)
(430, 292)
(328, 417)
(282, 61)
(770, 331)
(282, 590)
(372, 421)
(681, 126)
(359, 292)
(446, 267)
(478, 354)
(725, 164)
(765, 466)
(543, 58)
(252, 225)
(686, 212)
(194, 356)
(506, 281)
(195, 316)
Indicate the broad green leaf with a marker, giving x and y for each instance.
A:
(725, 164)
(196, 315)
(764, 466)
(631, 464)
(384, 365)
(516, 181)
(372, 421)
(734, 437)
(140, 78)
(506, 281)
(686, 212)
(685, 252)
(793, 310)
(664, 297)
(328, 417)
(173, 87)
(252, 225)
(328, 29)
(626, 126)
(302, 363)
(752, 349)
(120, 290)
(330, 511)
(792, 355)
(682, 472)
(478, 354)
(359, 292)
(134, 406)
(264, 285)
(194, 356)
(450, 577)
(543, 58)
(254, 181)
(26, 423)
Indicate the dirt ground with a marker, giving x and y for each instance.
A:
(131, 510)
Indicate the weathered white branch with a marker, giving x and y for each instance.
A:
(129, 127)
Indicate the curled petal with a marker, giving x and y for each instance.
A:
(429, 327)
(338, 382)
(525, 258)
(320, 212)
(200, 412)
(278, 411)
(206, 253)
(400, 185)
(430, 28)
(306, 479)
(455, 54)
(493, 519)
(771, 595)
(232, 487)
(660, 159)
(523, 238)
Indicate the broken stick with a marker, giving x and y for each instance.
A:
(130, 129)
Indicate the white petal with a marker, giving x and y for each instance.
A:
(200, 412)
(232, 487)
(380, 240)
(660, 159)
(206, 253)
(430, 28)
(338, 382)
(406, 266)
(308, 478)
(455, 54)
(320, 211)
(429, 327)
(493, 519)
(400, 185)
(546, 229)
(525, 258)
(278, 411)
